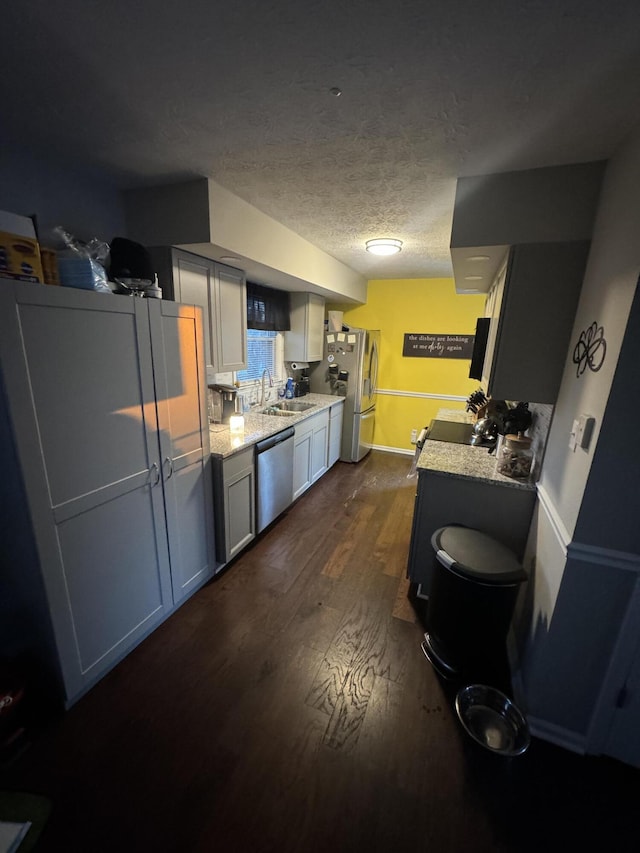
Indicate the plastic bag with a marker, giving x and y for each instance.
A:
(82, 264)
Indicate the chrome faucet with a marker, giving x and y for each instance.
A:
(264, 373)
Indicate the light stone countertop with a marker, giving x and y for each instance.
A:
(464, 461)
(258, 426)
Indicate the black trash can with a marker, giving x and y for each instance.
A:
(473, 593)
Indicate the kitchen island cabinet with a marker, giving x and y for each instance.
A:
(532, 305)
(111, 445)
(234, 490)
(220, 291)
(457, 485)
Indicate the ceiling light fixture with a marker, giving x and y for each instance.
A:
(384, 246)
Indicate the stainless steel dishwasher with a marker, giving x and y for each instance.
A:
(274, 460)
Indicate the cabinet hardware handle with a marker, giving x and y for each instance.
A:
(169, 461)
(157, 480)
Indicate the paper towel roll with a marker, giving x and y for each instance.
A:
(299, 365)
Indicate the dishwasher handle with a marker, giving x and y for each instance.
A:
(268, 443)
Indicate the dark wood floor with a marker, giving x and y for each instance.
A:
(287, 706)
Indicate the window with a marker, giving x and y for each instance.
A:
(264, 349)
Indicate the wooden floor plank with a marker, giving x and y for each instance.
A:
(350, 542)
(287, 708)
(402, 608)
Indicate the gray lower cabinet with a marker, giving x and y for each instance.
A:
(336, 418)
(501, 511)
(310, 451)
(234, 493)
(110, 437)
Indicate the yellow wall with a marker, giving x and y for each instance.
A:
(422, 305)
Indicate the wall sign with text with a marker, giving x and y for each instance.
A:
(418, 345)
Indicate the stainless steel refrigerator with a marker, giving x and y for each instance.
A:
(349, 369)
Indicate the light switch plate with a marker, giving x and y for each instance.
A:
(585, 430)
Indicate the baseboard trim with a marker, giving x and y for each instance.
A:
(386, 449)
(557, 735)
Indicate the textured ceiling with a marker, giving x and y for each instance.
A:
(240, 92)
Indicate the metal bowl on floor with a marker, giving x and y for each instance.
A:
(492, 719)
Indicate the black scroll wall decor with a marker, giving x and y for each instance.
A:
(590, 349)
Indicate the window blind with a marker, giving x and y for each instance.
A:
(267, 308)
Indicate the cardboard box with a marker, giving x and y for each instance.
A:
(20, 257)
(19, 248)
(49, 260)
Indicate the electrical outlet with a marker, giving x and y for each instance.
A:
(414, 436)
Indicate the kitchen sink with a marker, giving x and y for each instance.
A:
(287, 407)
(276, 412)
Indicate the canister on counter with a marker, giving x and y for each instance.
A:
(515, 456)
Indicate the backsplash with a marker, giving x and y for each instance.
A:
(539, 431)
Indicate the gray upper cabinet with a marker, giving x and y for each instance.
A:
(220, 291)
(112, 447)
(305, 340)
(532, 307)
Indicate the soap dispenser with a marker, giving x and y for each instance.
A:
(289, 389)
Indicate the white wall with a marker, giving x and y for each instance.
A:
(578, 592)
(607, 293)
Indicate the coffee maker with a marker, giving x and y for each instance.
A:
(223, 403)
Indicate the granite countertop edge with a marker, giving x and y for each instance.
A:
(463, 461)
(258, 426)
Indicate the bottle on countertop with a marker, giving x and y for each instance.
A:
(288, 393)
(154, 291)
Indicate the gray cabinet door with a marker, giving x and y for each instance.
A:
(319, 446)
(229, 312)
(179, 367)
(220, 291)
(532, 320)
(193, 284)
(302, 447)
(79, 380)
(235, 503)
(239, 499)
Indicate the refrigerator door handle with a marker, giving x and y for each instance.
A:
(373, 367)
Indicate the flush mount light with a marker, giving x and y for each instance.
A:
(478, 258)
(473, 277)
(384, 246)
